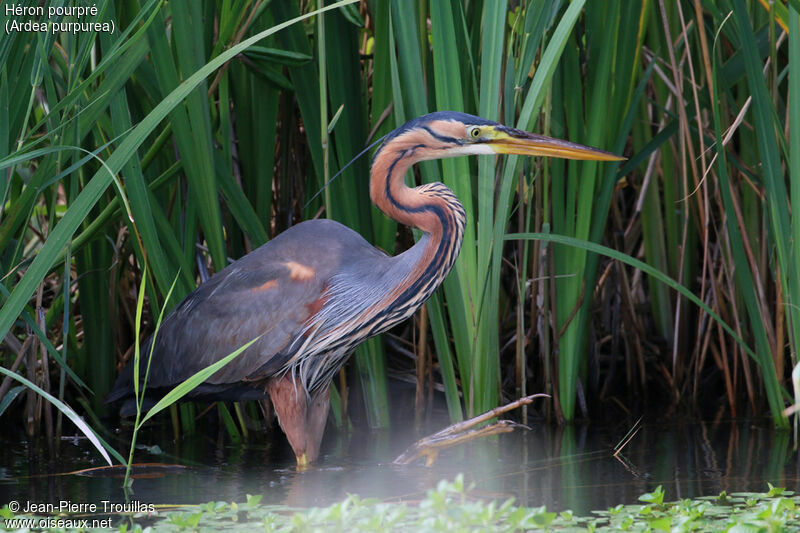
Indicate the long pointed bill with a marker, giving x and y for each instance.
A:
(513, 141)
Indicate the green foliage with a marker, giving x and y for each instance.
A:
(177, 392)
(212, 125)
(84, 428)
(451, 507)
(656, 497)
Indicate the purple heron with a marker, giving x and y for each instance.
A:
(318, 290)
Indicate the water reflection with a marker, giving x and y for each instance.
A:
(562, 468)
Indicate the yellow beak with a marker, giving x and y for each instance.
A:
(505, 140)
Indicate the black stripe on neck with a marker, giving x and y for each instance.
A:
(443, 138)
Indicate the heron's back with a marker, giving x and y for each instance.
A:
(272, 293)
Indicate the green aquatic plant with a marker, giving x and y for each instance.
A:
(451, 507)
(202, 123)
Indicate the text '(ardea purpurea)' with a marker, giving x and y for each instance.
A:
(318, 290)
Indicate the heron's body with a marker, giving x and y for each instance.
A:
(317, 290)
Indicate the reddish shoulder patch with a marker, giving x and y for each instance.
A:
(299, 271)
(316, 305)
(271, 284)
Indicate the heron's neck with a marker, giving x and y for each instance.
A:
(433, 208)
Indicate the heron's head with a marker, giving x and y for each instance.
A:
(451, 134)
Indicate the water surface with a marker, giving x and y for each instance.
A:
(562, 468)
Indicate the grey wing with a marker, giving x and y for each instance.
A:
(220, 317)
(271, 293)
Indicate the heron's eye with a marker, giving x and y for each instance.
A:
(475, 133)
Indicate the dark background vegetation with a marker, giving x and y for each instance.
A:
(173, 143)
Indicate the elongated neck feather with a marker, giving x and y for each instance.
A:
(408, 279)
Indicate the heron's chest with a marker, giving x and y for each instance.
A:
(361, 303)
(372, 312)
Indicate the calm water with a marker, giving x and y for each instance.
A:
(570, 468)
